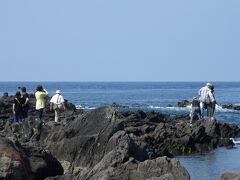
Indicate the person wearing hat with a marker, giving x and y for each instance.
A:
(195, 113)
(204, 97)
(57, 104)
(40, 96)
(212, 104)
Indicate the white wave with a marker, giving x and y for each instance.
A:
(154, 107)
(225, 110)
(218, 108)
(78, 106)
(85, 107)
(167, 108)
(89, 108)
(221, 109)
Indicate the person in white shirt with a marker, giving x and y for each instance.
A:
(212, 104)
(57, 104)
(203, 95)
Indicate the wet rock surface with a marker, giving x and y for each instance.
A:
(231, 106)
(105, 143)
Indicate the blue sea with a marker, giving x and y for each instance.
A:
(157, 96)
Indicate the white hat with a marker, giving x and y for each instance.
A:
(58, 92)
(209, 84)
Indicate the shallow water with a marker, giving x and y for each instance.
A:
(210, 166)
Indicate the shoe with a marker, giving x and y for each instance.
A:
(213, 119)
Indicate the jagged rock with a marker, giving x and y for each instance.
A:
(123, 163)
(231, 106)
(88, 138)
(159, 168)
(230, 176)
(25, 162)
(83, 141)
(116, 105)
(63, 177)
(12, 165)
(183, 103)
(108, 144)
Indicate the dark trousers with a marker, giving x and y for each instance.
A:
(25, 112)
(40, 113)
(211, 109)
(195, 114)
(18, 117)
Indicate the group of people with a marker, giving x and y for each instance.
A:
(21, 104)
(205, 101)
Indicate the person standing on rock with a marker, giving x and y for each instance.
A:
(203, 97)
(40, 96)
(195, 110)
(25, 98)
(212, 104)
(57, 104)
(18, 108)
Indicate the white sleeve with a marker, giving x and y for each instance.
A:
(61, 99)
(199, 92)
(210, 94)
(52, 100)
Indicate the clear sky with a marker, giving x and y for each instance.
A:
(119, 40)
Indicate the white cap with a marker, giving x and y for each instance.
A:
(209, 84)
(58, 92)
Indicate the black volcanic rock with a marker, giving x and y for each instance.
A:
(25, 162)
(183, 103)
(110, 144)
(230, 176)
(231, 106)
(142, 136)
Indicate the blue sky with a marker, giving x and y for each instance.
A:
(127, 40)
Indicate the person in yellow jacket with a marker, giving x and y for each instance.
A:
(40, 96)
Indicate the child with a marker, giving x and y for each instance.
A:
(195, 113)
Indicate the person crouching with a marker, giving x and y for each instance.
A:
(57, 104)
(195, 113)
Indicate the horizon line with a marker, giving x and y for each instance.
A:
(91, 81)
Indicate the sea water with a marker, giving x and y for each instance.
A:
(157, 96)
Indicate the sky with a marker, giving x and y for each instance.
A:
(119, 40)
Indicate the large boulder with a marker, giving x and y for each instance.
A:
(230, 176)
(12, 165)
(83, 141)
(160, 168)
(122, 163)
(88, 141)
(25, 162)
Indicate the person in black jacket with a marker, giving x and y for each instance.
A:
(18, 108)
(25, 101)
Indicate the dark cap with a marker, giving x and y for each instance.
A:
(23, 89)
(39, 88)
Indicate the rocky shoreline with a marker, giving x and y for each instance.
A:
(103, 144)
(186, 103)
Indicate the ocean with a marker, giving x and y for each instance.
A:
(154, 96)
